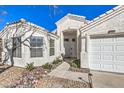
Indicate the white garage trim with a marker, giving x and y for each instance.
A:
(119, 34)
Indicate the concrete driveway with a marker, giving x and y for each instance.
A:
(107, 80)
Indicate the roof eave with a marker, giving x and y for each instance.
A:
(102, 17)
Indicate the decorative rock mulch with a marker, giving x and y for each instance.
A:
(54, 82)
(21, 78)
(10, 75)
(29, 78)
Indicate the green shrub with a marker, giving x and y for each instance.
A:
(73, 64)
(57, 61)
(30, 66)
(77, 62)
(47, 66)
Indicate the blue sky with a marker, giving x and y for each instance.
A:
(46, 15)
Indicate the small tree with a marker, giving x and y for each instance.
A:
(17, 30)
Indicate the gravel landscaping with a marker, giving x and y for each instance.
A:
(29, 79)
(38, 77)
(10, 75)
(31, 75)
(54, 82)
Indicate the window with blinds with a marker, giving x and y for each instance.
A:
(36, 44)
(17, 47)
(52, 47)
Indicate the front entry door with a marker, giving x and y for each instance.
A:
(67, 48)
(69, 45)
(73, 47)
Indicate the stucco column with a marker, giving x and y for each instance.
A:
(78, 44)
(59, 40)
(84, 51)
(62, 43)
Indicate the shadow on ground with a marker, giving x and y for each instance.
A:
(4, 68)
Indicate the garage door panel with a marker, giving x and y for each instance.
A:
(94, 52)
(120, 68)
(96, 57)
(107, 48)
(96, 40)
(107, 40)
(121, 39)
(107, 54)
(95, 62)
(119, 53)
(106, 62)
(120, 48)
(96, 48)
(119, 63)
(107, 67)
(119, 43)
(95, 66)
(119, 58)
(108, 57)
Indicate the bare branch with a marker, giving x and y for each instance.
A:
(17, 31)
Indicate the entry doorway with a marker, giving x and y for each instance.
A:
(70, 44)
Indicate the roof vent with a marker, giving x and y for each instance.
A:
(22, 20)
(111, 31)
(7, 23)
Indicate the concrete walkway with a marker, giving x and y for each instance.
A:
(99, 79)
(62, 72)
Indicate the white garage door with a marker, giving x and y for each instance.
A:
(107, 54)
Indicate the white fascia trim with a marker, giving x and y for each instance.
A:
(100, 19)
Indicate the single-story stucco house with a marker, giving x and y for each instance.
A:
(99, 44)
(32, 44)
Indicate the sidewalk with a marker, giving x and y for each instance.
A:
(62, 72)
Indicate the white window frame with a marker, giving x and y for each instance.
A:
(36, 47)
(51, 47)
(17, 50)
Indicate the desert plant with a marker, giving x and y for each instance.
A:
(77, 62)
(47, 66)
(57, 61)
(73, 64)
(30, 66)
